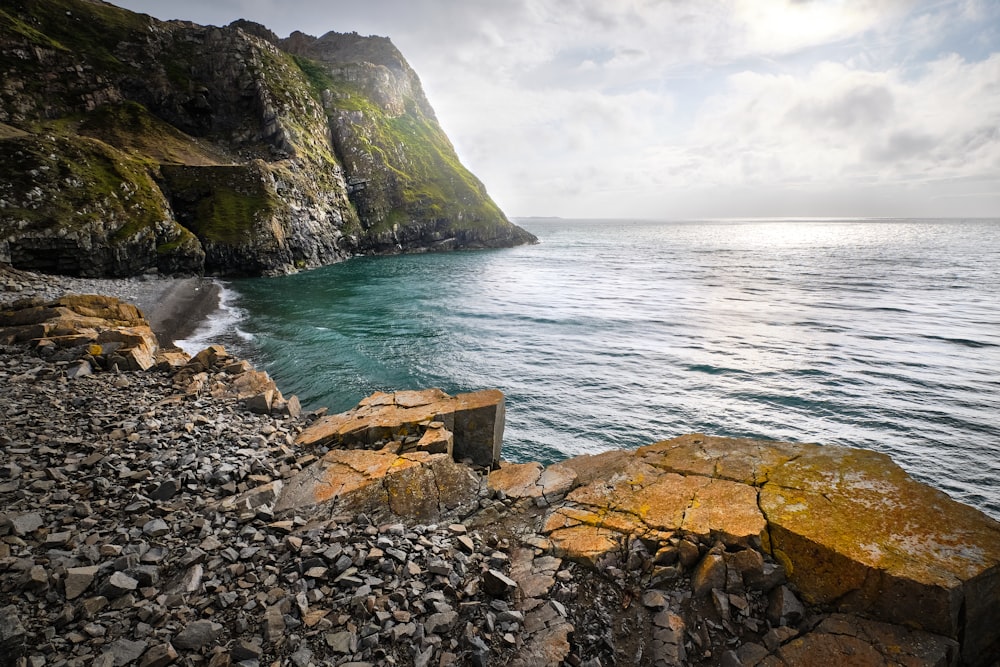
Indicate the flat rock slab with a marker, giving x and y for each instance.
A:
(852, 529)
(850, 640)
(476, 421)
(418, 485)
(532, 480)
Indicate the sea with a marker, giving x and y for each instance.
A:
(882, 334)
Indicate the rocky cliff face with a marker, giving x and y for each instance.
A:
(128, 143)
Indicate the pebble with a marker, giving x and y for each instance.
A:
(114, 549)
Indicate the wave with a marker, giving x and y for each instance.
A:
(220, 327)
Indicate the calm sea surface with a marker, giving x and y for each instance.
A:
(877, 334)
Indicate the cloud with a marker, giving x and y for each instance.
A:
(849, 125)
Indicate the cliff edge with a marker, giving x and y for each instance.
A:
(128, 143)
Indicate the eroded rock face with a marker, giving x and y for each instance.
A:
(475, 421)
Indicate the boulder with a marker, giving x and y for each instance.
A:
(476, 421)
(854, 530)
(415, 485)
(849, 527)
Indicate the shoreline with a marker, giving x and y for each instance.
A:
(522, 556)
(175, 307)
(182, 308)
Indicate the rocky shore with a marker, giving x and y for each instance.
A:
(161, 509)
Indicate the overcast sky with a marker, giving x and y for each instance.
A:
(694, 108)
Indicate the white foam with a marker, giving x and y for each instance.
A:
(219, 327)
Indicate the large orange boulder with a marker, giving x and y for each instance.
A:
(853, 531)
(475, 420)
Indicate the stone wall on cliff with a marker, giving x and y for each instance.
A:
(132, 143)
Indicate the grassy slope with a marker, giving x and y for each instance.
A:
(432, 182)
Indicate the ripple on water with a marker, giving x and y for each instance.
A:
(883, 335)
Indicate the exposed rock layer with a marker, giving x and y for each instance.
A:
(129, 144)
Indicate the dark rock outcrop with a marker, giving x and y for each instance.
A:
(128, 143)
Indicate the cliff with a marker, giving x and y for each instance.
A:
(128, 143)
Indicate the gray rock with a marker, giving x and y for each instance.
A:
(751, 653)
(79, 369)
(78, 580)
(466, 544)
(654, 599)
(118, 584)
(783, 607)
(159, 656)
(720, 601)
(191, 581)
(344, 642)
(12, 633)
(246, 649)
(497, 584)
(23, 524)
(770, 576)
(166, 490)
(730, 659)
(125, 651)
(197, 635)
(302, 657)
(36, 579)
(156, 528)
(440, 622)
(748, 563)
(274, 624)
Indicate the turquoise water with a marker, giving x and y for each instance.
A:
(878, 334)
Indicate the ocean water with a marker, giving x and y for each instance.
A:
(882, 334)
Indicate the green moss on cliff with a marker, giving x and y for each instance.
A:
(70, 182)
(219, 204)
(12, 24)
(410, 155)
(93, 30)
(131, 128)
(317, 75)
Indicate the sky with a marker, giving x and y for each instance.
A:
(681, 109)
